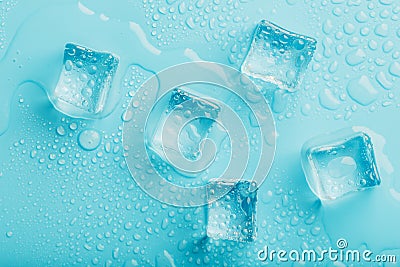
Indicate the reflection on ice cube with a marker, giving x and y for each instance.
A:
(339, 163)
(180, 138)
(232, 217)
(278, 56)
(85, 81)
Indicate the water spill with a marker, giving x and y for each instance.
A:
(45, 50)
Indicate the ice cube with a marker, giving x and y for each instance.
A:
(339, 163)
(232, 217)
(278, 56)
(85, 81)
(182, 138)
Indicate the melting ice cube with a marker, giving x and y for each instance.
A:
(85, 81)
(174, 135)
(232, 217)
(278, 56)
(339, 163)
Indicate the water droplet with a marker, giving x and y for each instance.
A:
(89, 139)
(131, 263)
(60, 130)
(9, 234)
(356, 57)
(327, 44)
(383, 81)
(327, 26)
(387, 46)
(68, 65)
(362, 91)
(115, 253)
(100, 247)
(333, 67)
(306, 109)
(291, 2)
(382, 30)
(394, 69)
(182, 245)
(328, 100)
(73, 126)
(127, 116)
(128, 226)
(361, 17)
(349, 28)
(373, 45)
(386, 2)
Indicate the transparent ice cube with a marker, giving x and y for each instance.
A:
(182, 138)
(339, 163)
(278, 56)
(232, 217)
(85, 81)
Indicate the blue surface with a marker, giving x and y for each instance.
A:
(63, 203)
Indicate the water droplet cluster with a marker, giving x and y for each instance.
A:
(5, 7)
(172, 22)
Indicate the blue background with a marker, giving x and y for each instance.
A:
(61, 205)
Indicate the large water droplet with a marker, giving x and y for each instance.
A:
(383, 81)
(382, 30)
(89, 139)
(362, 91)
(386, 2)
(328, 100)
(356, 57)
(394, 69)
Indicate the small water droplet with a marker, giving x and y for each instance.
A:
(73, 126)
(60, 130)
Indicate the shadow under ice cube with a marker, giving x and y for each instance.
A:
(278, 56)
(232, 217)
(339, 163)
(85, 81)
